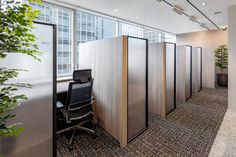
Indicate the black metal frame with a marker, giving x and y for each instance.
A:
(54, 114)
(129, 140)
(201, 70)
(203, 14)
(191, 71)
(168, 112)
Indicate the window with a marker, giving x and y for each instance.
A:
(93, 27)
(131, 30)
(89, 26)
(63, 18)
(153, 36)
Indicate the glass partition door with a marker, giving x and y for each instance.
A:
(170, 50)
(188, 80)
(36, 113)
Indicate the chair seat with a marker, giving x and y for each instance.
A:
(83, 113)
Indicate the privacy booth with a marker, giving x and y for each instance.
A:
(184, 72)
(161, 78)
(196, 69)
(119, 67)
(36, 113)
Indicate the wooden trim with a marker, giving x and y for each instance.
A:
(124, 105)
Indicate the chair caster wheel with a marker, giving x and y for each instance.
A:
(95, 135)
(70, 148)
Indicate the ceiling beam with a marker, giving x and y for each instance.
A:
(203, 14)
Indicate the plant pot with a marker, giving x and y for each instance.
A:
(222, 80)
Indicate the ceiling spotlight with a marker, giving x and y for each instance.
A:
(178, 10)
(116, 10)
(203, 3)
(137, 17)
(159, 0)
(193, 18)
(224, 28)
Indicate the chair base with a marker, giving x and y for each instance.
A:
(75, 128)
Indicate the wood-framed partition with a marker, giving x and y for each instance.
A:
(184, 73)
(119, 67)
(162, 78)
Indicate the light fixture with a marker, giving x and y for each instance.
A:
(116, 10)
(137, 17)
(224, 28)
(204, 3)
(178, 9)
(203, 25)
(193, 19)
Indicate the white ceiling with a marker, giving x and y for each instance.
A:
(160, 15)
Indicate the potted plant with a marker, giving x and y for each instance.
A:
(221, 55)
(16, 24)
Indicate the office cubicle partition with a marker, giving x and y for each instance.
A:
(119, 67)
(184, 73)
(196, 69)
(36, 113)
(188, 74)
(199, 68)
(137, 86)
(162, 78)
(170, 77)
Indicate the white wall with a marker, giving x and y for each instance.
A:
(206, 39)
(209, 41)
(232, 58)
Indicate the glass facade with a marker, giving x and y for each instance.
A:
(62, 17)
(88, 26)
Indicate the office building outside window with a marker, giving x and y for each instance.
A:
(62, 17)
(89, 26)
(130, 30)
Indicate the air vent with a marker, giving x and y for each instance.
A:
(218, 12)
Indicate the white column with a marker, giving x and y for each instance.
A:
(232, 58)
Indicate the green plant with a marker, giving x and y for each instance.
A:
(221, 54)
(16, 24)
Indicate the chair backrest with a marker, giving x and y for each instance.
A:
(81, 89)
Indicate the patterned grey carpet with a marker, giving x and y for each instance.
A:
(188, 131)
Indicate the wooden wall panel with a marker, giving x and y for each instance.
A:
(108, 61)
(156, 79)
(180, 73)
(208, 67)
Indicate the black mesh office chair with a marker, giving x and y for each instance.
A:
(78, 108)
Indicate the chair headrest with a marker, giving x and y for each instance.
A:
(82, 76)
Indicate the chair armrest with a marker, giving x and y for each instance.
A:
(59, 105)
(78, 108)
(91, 99)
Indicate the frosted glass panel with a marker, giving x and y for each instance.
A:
(36, 114)
(195, 74)
(188, 73)
(170, 76)
(136, 86)
(199, 69)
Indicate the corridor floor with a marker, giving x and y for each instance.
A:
(188, 131)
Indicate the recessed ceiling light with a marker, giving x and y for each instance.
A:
(137, 17)
(203, 3)
(116, 10)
